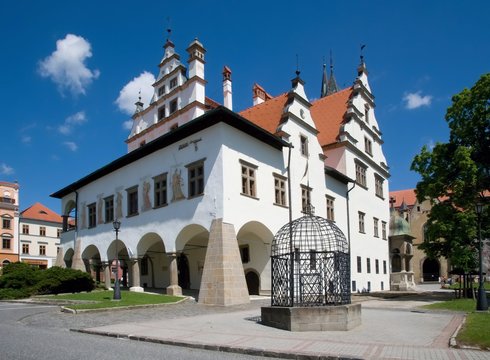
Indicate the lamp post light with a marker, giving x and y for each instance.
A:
(117, 289)
(481, 301)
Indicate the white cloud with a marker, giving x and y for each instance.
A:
(66, 65)
(130, 92)
(76, 119)
(128, 124)
(26, 139)
(5, 169)
(416, 100)
(71, 145)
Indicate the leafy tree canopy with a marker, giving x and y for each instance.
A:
(456, 175)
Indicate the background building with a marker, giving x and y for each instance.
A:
(9, 214)
(39, 236)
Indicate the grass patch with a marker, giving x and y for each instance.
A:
(103, 299)
(476, 330)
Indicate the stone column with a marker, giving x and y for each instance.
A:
(107, 274)
(77, 262)
(174, 288)
(60, 261)
(223, 279)
(135, 276)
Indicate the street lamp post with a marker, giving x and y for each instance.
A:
(481, 301)
(117, 289)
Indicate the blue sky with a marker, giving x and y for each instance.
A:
(66, 64)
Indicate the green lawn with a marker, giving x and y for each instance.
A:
(103, 299)
(476, 330)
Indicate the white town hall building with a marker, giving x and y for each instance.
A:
(203, 189)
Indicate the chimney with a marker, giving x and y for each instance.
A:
(227, 93)
(259, 94)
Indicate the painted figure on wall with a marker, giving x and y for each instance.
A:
(119, 214)
(146, 196)
(177, 186)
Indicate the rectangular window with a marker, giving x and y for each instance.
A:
(330, 208)
(382, 285)
(144, 266)
(25, 229)
(368, 265)
(6, 243)
(42, 231)
(368, 146)
(245, 254)
(280, 190)
(92, 214)
(161, 112)
(378, 185)
(161, 90)
(248, 179)
(25, 248)
(195, 174)
(376, 266)
(42, 249)
(173, 82)
(361, 174)
(383, 229)
(160, 190)
(305, 198)
(354, 287)
(359, 264)
(109, 208)
(304, 145)
(366, 113)
(173, 106)
(369, 286)
(361, 222)
(6, 223)
(376, 227)
(384, 266)
(132, 201)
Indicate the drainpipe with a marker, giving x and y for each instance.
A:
(348, 227)
(291, 250)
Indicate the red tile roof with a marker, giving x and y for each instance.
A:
(328, 114)
(407, 195)
(40, 212)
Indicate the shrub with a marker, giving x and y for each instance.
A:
(56, 280)
(20, 280)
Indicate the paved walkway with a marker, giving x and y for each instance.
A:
(391, 329)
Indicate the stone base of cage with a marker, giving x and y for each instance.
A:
(317, 318)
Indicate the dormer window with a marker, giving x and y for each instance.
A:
(161, 112)
(366, 113)
(304, 145)
(173, 82)
(173, 106)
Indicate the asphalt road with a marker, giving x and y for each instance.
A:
(30, 331)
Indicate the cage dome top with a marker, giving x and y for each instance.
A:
(309, 233)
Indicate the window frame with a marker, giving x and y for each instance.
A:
(368, 146)
(362, 222)
(42, 250)
(304, 146)
(132, 201)
(7, 241)
(359, 264)
(92, 215)
(280, 190)
(361, 174)
(383, 230)
(25, 249)
(330, 208)
(42, 230)
(109, 209)
(6, 223)
(195, 181)
(305, 198)
(378, 186)
(25, 229)
(172, 107)
(248, 179)
(376, 227)
(160, 190)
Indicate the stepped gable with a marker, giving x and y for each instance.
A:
(327, 113)
(40, 212)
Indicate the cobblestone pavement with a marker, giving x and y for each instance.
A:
(391, 329)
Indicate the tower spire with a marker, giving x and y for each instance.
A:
(332, 83)
(324, 89)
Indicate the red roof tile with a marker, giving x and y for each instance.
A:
(40, 212)
(327, 113)
(400, 196)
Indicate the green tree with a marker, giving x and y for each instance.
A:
(455, 176)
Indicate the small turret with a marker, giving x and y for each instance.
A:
(227, 90)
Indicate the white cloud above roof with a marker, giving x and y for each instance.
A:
(5, 169)
(416, 100)
(71, 145)
(130, 93)
(66, 65)
(78, 118)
